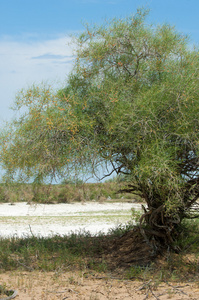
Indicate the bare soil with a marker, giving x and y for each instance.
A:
(80, 285)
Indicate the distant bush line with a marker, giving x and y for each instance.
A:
(63, 193)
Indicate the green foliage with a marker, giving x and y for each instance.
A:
(131, 105)
(188, 236)
(136, 215)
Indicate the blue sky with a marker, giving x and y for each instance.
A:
(34, 36)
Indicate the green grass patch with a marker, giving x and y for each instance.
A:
(82, 251)
(49, 254)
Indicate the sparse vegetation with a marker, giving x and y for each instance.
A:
(64, 193)
(93, 253)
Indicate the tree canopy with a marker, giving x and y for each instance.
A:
(131, 102)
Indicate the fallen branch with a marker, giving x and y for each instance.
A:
(7, 292)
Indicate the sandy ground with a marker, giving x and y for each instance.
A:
(22, 219)
(80, 285)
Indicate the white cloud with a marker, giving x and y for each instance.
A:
(50, 56)
(23, 63)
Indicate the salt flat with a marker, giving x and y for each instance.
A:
(22, 219)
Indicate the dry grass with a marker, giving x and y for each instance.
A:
(63, 193)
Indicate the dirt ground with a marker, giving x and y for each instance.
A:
(79, 285)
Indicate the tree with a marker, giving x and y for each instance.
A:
(131, 103)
